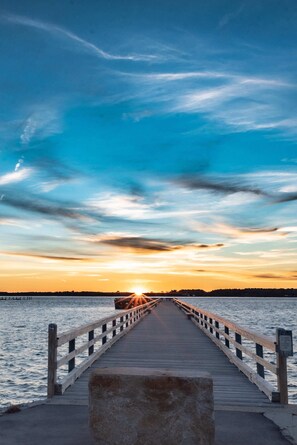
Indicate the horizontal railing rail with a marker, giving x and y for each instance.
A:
(100, 336)
(225, 333)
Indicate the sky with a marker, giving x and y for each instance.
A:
(148, 144)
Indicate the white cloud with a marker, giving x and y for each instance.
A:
(44, 121)
(16, 176)
(80, 42)
(243, 102)
(18, 164)
(176, 76)
(28, 131)
(274, 181)
(170, 204)
(120, 205)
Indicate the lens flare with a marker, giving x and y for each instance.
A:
(139, 290)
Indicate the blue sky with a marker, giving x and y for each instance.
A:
(148, 144)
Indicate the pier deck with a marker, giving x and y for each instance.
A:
(167, 339)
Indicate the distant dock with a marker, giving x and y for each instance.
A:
(10, 298)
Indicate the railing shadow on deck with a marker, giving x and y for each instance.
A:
(225, 333)
(101, 335)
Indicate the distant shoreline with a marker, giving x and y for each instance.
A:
(248, 292)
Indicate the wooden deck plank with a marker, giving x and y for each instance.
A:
(168, 339)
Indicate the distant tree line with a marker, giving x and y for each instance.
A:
(247, 292)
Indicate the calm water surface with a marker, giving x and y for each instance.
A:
(23, 334)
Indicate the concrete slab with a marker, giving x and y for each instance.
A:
(244, 428)
(286, 420)
(132, 406)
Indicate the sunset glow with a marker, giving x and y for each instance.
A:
(139, 291)
(148, 145)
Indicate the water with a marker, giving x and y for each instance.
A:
(23, 340)
(23, 334)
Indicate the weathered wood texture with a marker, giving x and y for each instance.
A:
(166, 338)
(111, 329)
(52, 359)
(224, 332)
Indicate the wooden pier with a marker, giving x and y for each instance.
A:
(166, 337)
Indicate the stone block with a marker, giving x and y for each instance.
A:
(140, 406)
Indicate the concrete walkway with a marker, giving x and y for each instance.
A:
(68, 425)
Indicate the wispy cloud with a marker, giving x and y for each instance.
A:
(28, 130)
(44, 121)
(230, 16)
(274, 276)
(79, 42)
(11, 222)
(239, 101)
(177, 76)
(210, 246)
(121, 205)
(47, 257)
(39, 205)
(206, 76)
(16, 176)
(138, 207)
(141, 244)
(242, 234)
(239, 184)
(219, 185)
(18, 164)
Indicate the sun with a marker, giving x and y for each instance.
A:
(139, 290)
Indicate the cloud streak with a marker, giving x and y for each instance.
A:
(141, 244)
(243, 234)
(271, 276)
(209, 246)
(16, 176)
(232, 185)
(80, 43)
(40, 206)
(220, 186)
(48, 257)
(240, 102)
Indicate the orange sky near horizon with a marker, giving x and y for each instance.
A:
(153, 272)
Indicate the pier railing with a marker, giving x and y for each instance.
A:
(64, 348)
(236, 341)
